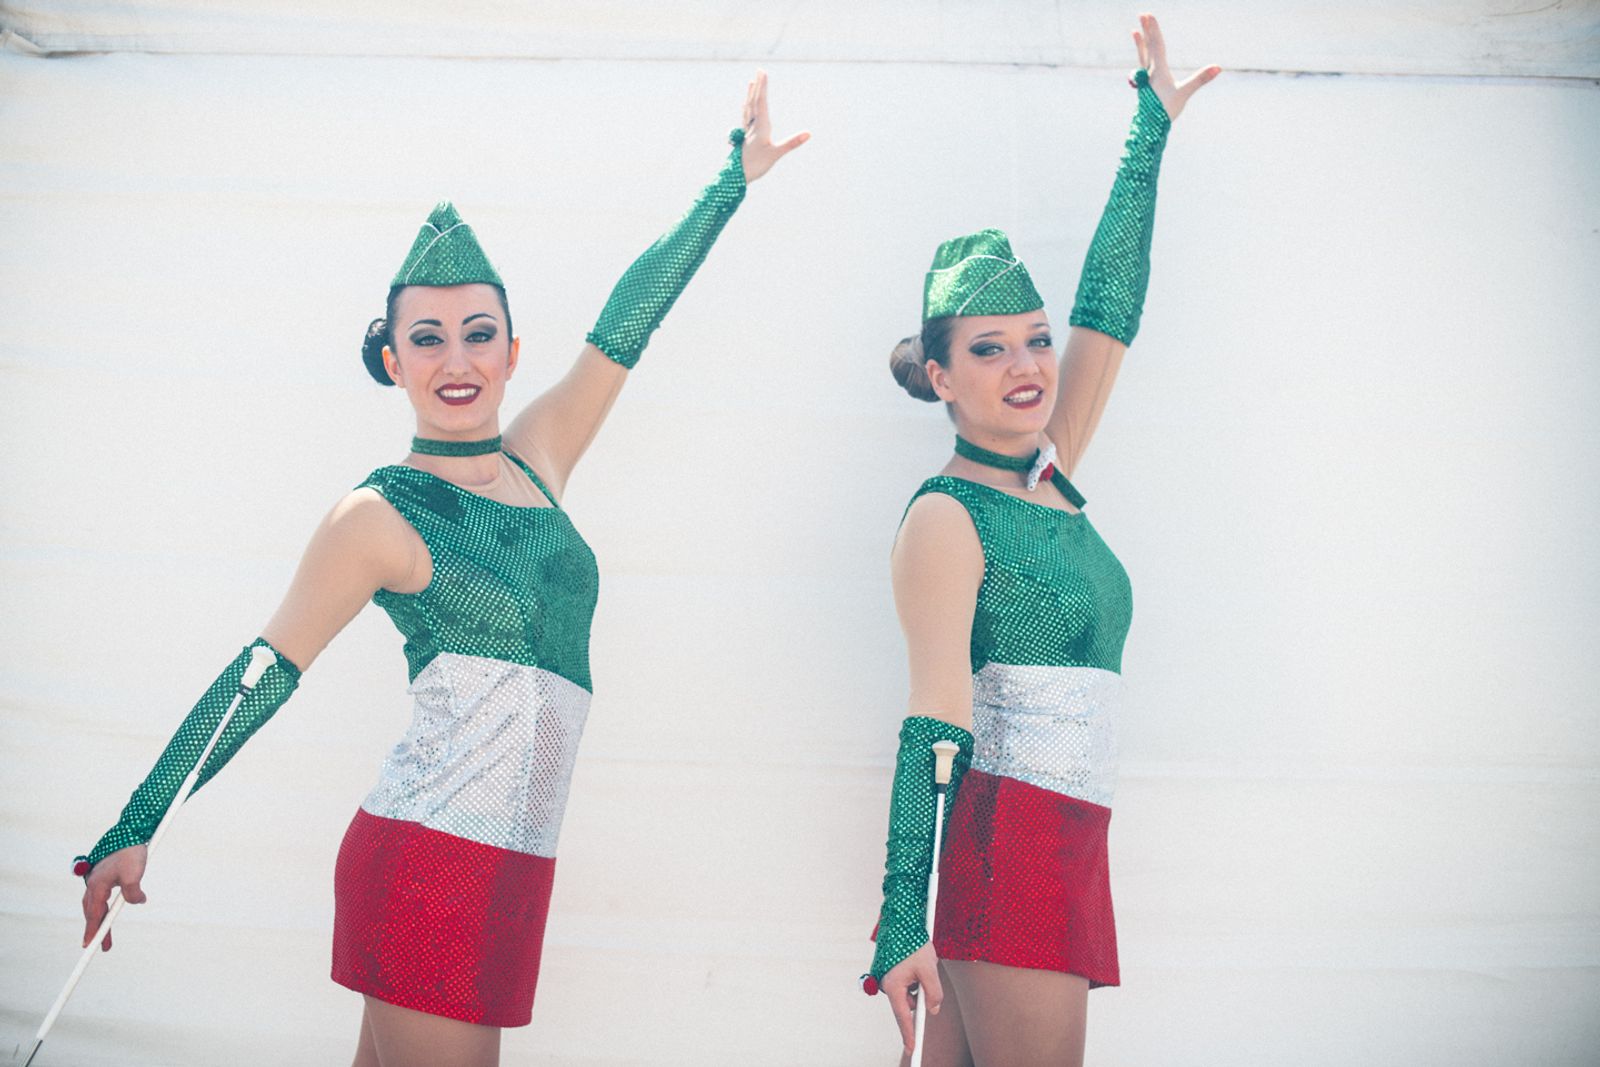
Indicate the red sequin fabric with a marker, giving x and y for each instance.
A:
(432, 922)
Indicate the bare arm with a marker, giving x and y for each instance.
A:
(1111, 291)
(937, 567)
(1089, 369)
(555, 430)
(361, 546)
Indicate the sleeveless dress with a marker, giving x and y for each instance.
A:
(443, 880)
(1024, 878)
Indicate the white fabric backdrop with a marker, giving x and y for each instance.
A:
(1471, 37)
(1347, 468)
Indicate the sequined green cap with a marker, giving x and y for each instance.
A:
(446, 252)
(978, 275)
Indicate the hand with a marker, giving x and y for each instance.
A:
(124, 868)
(920, 969)
(759, 152)
(1153, 58)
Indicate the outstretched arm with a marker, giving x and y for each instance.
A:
(1116, 271)
(361, 546)
(555, 430)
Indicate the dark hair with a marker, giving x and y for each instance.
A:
(908, 361)
(380, 333)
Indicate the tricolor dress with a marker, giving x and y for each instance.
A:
(1024, 878)
(443, 881)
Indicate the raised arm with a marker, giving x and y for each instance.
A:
(937, 568)
(361, 546)
(1116, 270)
(557, 428)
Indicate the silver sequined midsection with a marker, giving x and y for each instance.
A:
(489, 754)
(1053, 727)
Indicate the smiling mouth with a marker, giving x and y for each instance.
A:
(456, 395)
(1025, 397)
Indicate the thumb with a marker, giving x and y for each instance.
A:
(132, 893)
(1197, 79)
(794, 142)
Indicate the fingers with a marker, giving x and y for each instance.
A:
(903, 1004)
(94, 910)
(794, 142)
(932, 989)
(1157, 43)
(1144, 53)
(1197, 79)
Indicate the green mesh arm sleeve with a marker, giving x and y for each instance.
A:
(154, 795)
(648, 289)
(1117, 268)
(903, 921)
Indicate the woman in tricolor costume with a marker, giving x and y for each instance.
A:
(444, 877)
(1014, 612)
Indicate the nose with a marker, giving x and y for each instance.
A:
(1023, 362)
(455, 357)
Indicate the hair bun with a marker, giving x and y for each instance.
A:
(372, 346)
(908, 364)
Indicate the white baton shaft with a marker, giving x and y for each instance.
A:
(944, 755)
(260, 659)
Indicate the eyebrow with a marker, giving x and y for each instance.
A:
(424, 322)
(996, 333)
(479, 315)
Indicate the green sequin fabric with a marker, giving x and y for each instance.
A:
(150, 801)
(648, 288)
(510, 583)
(1053, 593)
(446, 252)
(977, 275)
(903, 920)
(427, 446)
(1116, 271)
(1017, 463)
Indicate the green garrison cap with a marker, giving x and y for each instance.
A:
(446, 252)
(978, 275)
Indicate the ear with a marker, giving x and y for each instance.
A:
(511, 359)
(391, 363)
(939, 378)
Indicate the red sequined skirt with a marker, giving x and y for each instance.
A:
(1024, 880)
(437, 923)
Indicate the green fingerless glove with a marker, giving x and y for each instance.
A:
(1116, 271)
(903, 921)
(154, 795)
(649, 287)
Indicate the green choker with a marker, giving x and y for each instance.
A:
(1040, 465)
(424, 446)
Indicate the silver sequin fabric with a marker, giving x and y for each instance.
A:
(1053, 727)
(489, 754)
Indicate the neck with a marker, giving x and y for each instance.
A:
(1021, 445)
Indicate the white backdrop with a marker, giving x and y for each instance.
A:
(1347, 468)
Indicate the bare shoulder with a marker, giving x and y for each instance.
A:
(938, 543)
(362, 511)
(937, 523)
(363, 530)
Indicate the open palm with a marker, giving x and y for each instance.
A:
(1153, 58)
(760, 153)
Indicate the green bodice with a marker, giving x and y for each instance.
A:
(1053, 594)
(510, 583)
